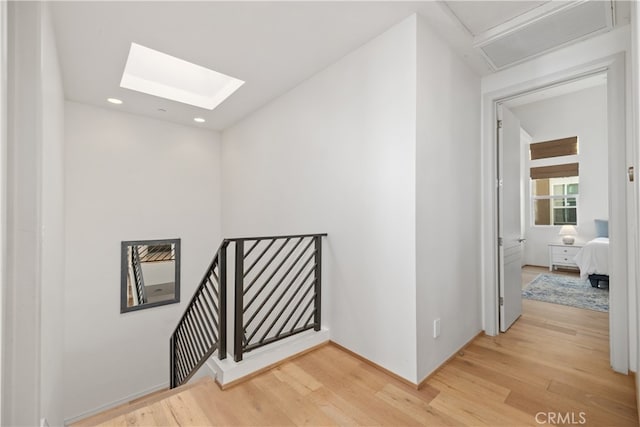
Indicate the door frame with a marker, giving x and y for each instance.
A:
(621, 253)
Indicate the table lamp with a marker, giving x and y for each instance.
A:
(568, 233)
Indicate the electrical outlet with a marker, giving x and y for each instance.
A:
(436, 328)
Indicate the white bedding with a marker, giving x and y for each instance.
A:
(593, 258)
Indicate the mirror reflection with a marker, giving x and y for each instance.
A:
(150, 273)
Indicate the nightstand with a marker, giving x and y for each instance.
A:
(562, 255)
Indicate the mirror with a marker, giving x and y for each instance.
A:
(150, 274)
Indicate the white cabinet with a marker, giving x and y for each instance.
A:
(562, 255)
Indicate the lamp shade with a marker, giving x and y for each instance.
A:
(567, 230)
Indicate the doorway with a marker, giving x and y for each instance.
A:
(620, 222)
(551, 144)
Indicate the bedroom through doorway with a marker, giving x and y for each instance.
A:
(564, 195)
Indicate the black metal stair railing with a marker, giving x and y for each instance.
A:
(277, 289)
(277, 293)
(202, 329)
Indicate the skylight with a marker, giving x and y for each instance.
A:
(159, 74)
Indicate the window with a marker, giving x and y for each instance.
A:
(554, 187)
(555, 201)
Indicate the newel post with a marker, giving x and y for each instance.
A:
(318, 283)
(222, 304)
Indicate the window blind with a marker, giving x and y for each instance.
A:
(555, 171)
(554, 148)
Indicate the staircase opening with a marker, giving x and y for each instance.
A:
(258, 290)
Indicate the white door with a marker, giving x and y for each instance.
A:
(510, 239)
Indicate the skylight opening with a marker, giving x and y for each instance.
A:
(155, 73)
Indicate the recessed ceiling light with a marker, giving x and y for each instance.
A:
(156, 73)
(114, 101)
(199, 120)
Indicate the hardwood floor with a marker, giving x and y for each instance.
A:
(552, 364)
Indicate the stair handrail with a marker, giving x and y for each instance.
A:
(193, 353)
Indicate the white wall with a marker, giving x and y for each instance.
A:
(53, 227)
(337, 155)
(525, 140)
(129, 178)
(447, 201)
(21, 357)
(33, 320)
(158, 272)
(4, 35)
(582, 114)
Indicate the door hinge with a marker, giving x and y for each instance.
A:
(501, 300)
(499, 124)
(499, 241)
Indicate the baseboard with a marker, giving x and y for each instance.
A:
(374, 364)
(449, 359)
(115, 403)
(419, 385)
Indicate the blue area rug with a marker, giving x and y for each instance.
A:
(567, 290)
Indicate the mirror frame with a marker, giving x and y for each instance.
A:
(124, 266)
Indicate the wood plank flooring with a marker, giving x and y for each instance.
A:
(553, 364)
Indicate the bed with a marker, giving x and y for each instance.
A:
(593, 261)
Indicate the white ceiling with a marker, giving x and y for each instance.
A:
(272, 46)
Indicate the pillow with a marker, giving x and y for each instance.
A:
(602, 227)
